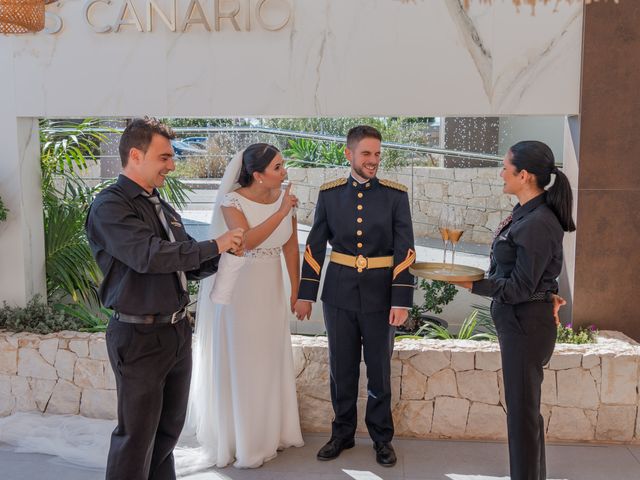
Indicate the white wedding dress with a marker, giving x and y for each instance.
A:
(243, 403)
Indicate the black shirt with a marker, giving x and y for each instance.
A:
(137, 259)
(526, 256)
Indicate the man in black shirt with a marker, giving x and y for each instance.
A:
(146, 257)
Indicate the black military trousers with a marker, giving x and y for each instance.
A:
(527, 336)
(152, 366)
(350, 334)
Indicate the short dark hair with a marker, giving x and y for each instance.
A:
(256, 158)
(139, 133)
(360, 132)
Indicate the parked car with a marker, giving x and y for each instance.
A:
(183, 149)
(198, 141)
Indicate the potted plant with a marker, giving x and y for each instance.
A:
(436, 294)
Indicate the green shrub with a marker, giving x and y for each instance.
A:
(436, 295)
(581, 335)
(333, 154)
(302, 153)
(193, 287)
(566, 334)
(468, 331)
(3, 211)
(36, 317)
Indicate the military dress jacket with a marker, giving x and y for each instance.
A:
(370, 219)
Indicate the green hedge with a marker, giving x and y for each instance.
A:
(36, 317)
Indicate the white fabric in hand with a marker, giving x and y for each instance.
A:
(226, 278)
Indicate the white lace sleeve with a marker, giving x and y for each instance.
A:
(231, 200)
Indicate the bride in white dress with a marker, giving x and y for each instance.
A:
(243, 402)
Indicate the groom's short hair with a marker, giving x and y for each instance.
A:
(139, 133)
(360, 132)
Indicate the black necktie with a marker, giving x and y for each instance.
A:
(155, 200)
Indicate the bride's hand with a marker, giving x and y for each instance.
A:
(288, 202)
(302, 309)
(292, 303)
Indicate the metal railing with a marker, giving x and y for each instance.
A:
(413, 156)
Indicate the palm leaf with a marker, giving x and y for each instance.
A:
(433, 330)
(66, 146)
(468, 326)
(94, 319)
(70, 266)
(483, 336)
(175, 191)
(484, 319)
(409, 337)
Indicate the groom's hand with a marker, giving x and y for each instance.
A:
(231, 241)
(302, 309)
(397, 316)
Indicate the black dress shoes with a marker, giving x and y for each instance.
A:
(334, 447)
(385, 454)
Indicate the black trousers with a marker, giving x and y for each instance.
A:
(350, 334)
(152, 366)
(527, 336)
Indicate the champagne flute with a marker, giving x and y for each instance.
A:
(443, 227)
(456, 229)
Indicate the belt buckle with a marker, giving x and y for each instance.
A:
(361, 263)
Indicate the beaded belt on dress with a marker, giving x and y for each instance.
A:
(263, 252)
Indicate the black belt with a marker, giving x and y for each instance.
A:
(541, 297)
(152, 319)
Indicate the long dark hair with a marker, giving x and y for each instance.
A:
(256, 158)
(537, 158)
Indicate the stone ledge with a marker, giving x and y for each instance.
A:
(62, 373)
(441, 388)
(454, 389)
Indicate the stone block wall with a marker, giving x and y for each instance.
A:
(476, 192)
(441, 389)
(454, 389)
(61, 373)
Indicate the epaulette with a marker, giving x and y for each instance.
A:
(391, 184)
(333, 184)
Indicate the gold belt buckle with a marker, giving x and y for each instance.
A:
(361, 263)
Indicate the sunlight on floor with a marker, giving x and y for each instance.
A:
(456, 476)
(362, 475)
(208, 476)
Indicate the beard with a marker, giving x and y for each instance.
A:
(364, 173)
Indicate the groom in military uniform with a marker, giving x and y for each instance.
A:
(367, 288)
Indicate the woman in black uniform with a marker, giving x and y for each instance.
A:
(526, 259)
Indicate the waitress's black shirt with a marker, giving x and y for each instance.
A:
(526, 256)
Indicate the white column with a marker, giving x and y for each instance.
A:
(570, 168)
(22, 272)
